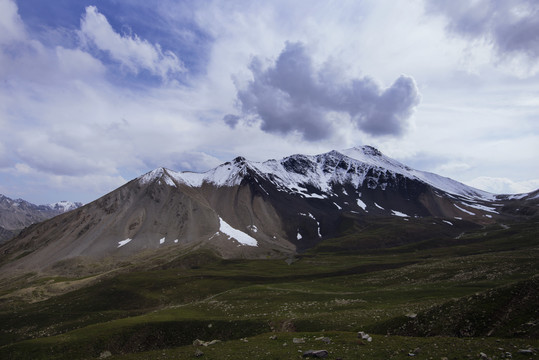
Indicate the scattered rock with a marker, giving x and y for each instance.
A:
(244, 340)
(364, 336)
(482, 355)
(198, 353)
(298, 340)
(325, 339)
(273, 337)
(198, 342)
(315, 353)
(105, 354)
(526, 351)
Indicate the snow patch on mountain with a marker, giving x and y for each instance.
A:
(464, 210)
(123, 242)
(398, 213)
(236, 234)
(483, 207)
(361, 204)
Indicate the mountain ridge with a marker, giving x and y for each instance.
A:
(17, 214)
(368, 156)
(246, 209)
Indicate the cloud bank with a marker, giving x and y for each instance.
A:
(292, 96)
(510, 26)
(91, 97)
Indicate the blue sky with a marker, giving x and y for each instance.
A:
(95, 93)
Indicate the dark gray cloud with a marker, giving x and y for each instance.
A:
(511, 26)
(231, 120)
(293, 96)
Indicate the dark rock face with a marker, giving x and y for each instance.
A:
(299, 164)
(369, 150)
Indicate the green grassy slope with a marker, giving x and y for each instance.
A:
(488, 276)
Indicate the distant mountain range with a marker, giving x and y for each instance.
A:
(17, 214)
(241, 208)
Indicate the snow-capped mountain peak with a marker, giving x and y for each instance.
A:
(350, 166)
(64, 206)
(372, 156)
(160, 174)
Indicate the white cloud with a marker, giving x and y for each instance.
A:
(11, 26)
(132, 52)
(453, 167)
(75, 63)
(4, 161)
(38, 186)
(504, 185)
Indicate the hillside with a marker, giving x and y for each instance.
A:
(277, 258)
(161, 306)
(244, 209)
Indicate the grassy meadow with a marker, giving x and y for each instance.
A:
(431, 296)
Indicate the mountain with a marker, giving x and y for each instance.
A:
(17, 214)
(275, 208)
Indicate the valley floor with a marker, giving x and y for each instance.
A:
(475, 295)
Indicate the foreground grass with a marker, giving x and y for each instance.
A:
(345, 345)
(332, 294)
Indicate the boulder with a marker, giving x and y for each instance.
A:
(324, 339)
(316, 353)
(364, 336)
(105, 354)
(199, 342)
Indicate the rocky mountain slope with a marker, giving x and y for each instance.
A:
(256, 209)
(17, 214)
